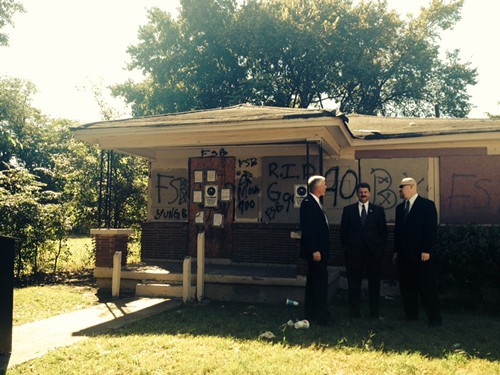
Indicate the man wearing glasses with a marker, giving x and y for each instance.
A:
(414, 250)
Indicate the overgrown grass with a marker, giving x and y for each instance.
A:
(40, 302)
(224, 339)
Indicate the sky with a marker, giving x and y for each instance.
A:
(65, 46)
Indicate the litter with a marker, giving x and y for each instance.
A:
(301, 324)
(268, 335)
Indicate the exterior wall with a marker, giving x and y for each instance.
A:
(164, 240)
(265, 243)
(264, 193)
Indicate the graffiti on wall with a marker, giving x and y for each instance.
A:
(469, 189)
(248, 188)
(169, 195)
(280, 174)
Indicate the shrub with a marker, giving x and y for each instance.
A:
(469, 258)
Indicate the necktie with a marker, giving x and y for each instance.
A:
(407, 208)
(363, 214)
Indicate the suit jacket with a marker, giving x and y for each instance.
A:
(371, 236)
(315, 230)
(418, 233)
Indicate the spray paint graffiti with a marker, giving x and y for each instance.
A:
(172, 196)
(247, 192)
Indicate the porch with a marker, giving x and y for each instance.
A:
(223, 280)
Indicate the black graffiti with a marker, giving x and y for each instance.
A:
(247, 163)
(457, 180)
(213, 153)
(282, 202)
(246, 192)
(283, 171)
(171, 213)
(381, 191)
(345, 187)
(180, 186)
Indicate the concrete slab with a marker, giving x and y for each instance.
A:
(33, 340)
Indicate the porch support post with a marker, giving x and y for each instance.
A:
(200, 274)
(117, 274)
(186, 280)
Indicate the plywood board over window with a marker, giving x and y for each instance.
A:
(470, 189)
(168, 195)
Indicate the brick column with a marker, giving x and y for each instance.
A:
(107, 242)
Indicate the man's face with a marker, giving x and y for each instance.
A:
(363, 195)
(407, 191)
(320, 189)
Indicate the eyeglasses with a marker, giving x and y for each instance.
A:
(402, 186)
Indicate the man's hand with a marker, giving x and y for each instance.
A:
(395, 258)
(317, 256)
(425, 257)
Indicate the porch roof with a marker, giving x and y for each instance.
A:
(231, 126)
(261, 125)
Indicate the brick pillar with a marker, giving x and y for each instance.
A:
(107, 242)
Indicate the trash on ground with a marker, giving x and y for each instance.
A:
(268, 335)
(301, 324)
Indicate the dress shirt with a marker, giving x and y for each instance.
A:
(360, 207)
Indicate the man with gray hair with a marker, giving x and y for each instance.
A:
(415, 240)
(314, 248)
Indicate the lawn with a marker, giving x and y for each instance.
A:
(39, 302)
(223, 338)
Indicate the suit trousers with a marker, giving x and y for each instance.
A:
(356, 267)
(316, 293)
(418, 279)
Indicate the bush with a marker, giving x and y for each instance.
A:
(469, 259)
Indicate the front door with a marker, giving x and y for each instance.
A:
(212, 205)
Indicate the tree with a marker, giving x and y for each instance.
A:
(187, 62)
(493, 116)
(299, 53)
(49, 181)
(7, 10)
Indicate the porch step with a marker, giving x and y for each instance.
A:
(154, 289)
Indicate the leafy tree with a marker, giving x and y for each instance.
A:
(7, 10)
(49, 181)
(21, 214)
(299, 53)
(493, 116)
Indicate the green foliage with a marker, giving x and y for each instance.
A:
(49, 181)
(7, 10)
(21, 214)
(359, 55)
(469, 257)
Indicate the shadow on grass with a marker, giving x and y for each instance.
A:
(463, 333)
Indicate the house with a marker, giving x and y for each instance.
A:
(238, 174)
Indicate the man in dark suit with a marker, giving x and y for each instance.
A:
(363, 235)
(414, 251)
(314, 248)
